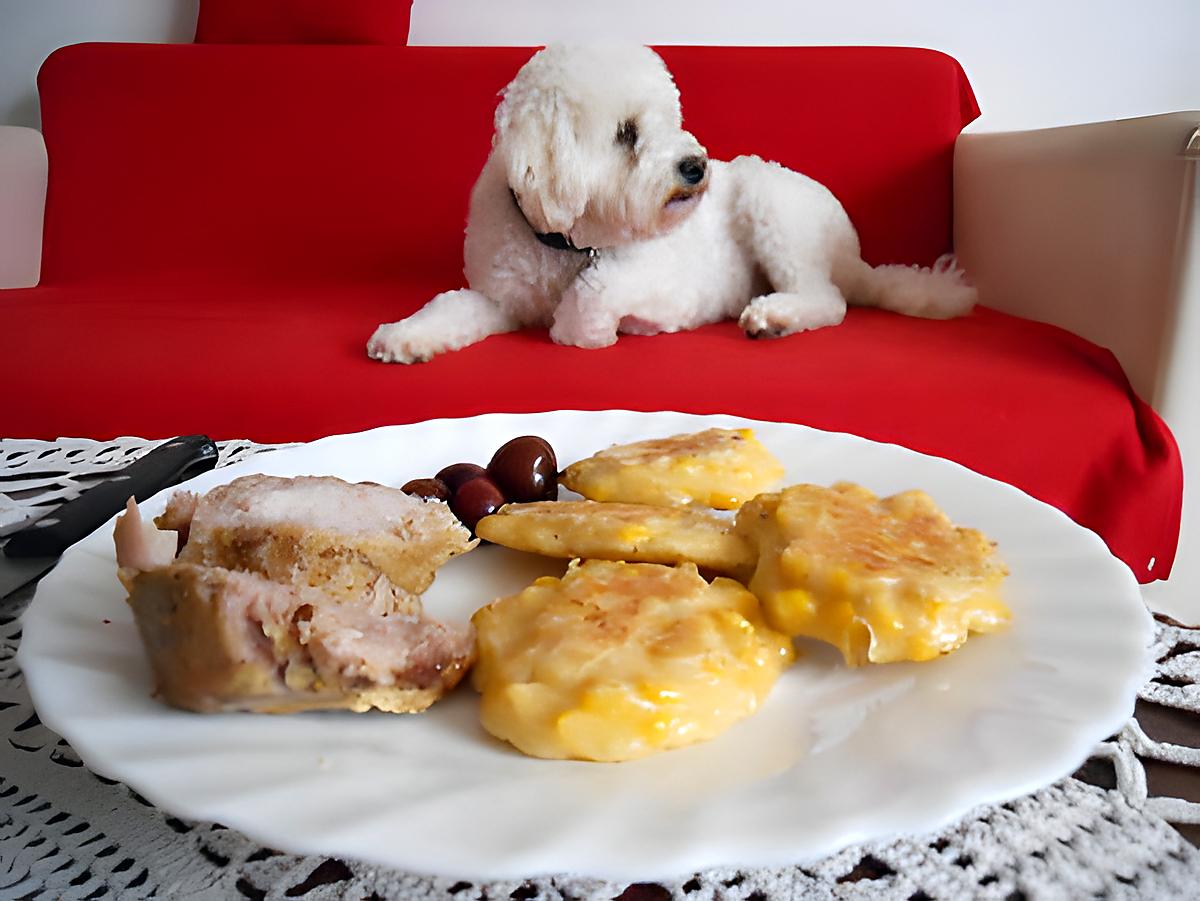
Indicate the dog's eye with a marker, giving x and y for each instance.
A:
(627, 133)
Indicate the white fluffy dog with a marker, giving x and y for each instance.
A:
(596, 214)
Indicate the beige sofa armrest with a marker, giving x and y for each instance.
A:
(1179, 403)
(22, 204)
(1095, 228)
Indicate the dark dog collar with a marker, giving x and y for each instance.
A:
(557, 240)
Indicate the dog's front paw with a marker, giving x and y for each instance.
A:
(757, 324)
(760, 320)
(589, 340)
(782, 313)
(393, 342)
(577, 325)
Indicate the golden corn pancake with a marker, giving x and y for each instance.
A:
(721, 468)
(620, 660)
(630, 532)
(882, 580)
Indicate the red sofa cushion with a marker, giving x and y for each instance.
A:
(303, 21)
(1023, 402)
(223, 162)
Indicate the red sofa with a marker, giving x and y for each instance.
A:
(226, 225)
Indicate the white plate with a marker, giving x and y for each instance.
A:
(835, 756)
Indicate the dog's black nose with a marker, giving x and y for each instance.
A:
(691, 169)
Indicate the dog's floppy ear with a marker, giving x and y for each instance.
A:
(536, 132)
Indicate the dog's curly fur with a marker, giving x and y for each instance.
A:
(589, 147)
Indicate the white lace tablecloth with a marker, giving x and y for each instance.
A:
(68, 833)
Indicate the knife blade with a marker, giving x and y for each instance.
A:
(36, 548)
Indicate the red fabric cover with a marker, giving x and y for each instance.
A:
(1023, 402)
(225, 227)
(303, 22)
(222, 162)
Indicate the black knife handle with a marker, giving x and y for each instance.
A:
(168, 464)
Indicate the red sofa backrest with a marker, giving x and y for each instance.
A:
(219, 162)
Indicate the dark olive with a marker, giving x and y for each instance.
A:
(474, 500)
(457, 473)
(526, 470)
(428, 489)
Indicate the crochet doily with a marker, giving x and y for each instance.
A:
(68, 833)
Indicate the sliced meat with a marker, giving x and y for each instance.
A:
(181, 507)
(294, 594)
(219, 640)
(140, 545)
(350, 539)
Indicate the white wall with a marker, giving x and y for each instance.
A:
(1034, 63)
(30, 29)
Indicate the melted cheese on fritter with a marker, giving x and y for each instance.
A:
(620, 660)
(882, 580)
(719, 468)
